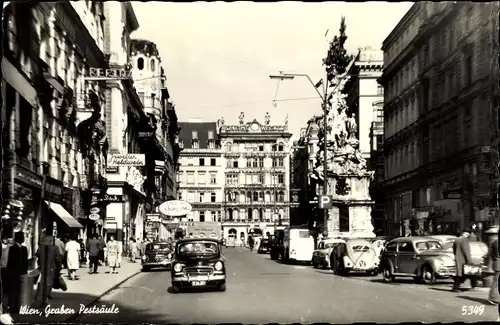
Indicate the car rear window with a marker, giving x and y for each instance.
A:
(304, 234)
(428, 245)
(161, 247)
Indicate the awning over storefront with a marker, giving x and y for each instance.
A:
(64, 215)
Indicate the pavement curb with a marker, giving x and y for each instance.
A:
(74, 317)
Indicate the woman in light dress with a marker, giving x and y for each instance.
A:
(112, 250)
(72, 257)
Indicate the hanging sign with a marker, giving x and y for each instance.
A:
(109, 74)
(94, 216)
(126, 160)
(175, 208)
(94, 210)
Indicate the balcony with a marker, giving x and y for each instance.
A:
(255, 186)
(269, 221)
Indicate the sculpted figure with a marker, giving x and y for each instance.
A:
(352, 127)
(242, 116)
(267, 119)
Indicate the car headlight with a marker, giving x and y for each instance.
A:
(178, 267)
(169, 256)
(218, 266)
(143, 257)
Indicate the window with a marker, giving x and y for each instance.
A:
(211, 144)
(406, 247)
(281, 179)
(281, 162)
(391, 247)
(194, 135)
(213, 178)
(202, 197)
(202, 218)
(280, 147)
(190, 177)
(235, 163)
(202, 161)
(261, 148)
(255, 196)
(273, 147)
(140, 63)
(152, 64)
(212, 161)
(380, 90)
(229, 163)
(261, 179)
(274, 162)
(195, 145)
(261, 162)
(254, 163)
(213, 197)
(201, 178)
(249, 162)
(210, 135)
(344, 218)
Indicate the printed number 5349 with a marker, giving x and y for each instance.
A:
(473, 310)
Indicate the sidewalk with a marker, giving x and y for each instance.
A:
(84, 291)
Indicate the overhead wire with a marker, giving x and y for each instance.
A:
(260, 102)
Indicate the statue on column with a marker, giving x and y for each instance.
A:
(242, 116)
(352, 127)
(267, 119)
(286, 119)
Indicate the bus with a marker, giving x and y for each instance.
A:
(298, 245)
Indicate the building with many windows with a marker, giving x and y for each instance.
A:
(439, 117)
(257, 177)
(201, 170)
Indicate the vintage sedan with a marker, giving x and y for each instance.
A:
(355, 255)
(321, 256)
(264, 246)
(198, 262)
(422, 258)
(157, 255)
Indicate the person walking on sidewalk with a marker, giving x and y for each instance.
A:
(101, 252)
(461, 249)
(119, 256)
(17, 266)
(72, 258)
(494, 264)
(133, 250)
(83, 253)
(61, 247)
(112, 253)
(94, 248)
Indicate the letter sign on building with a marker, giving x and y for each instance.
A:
(325, 202)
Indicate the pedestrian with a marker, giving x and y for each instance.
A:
(119, 256)
(494, 257)
(133, 250)
(61, 247)
(17, 266)
(94, 248)
(101, 252)
(112, 254)
(143, 247)
(461, 249)
(83, 253)
(250, 242)
(72, 258)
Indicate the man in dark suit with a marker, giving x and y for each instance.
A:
(461, 249)
(94, 248)
(494, 256)
(17, 266)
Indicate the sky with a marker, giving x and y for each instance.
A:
(218, 56)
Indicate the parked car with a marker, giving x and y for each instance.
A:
(264, 246)
(157, 255)
(355, 255)
(198, 262)
(424, 259)
(321, 256)
(444, 239)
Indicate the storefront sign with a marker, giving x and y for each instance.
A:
(109, 74)
(94, 210)
(175, 208)
(112, 169)
(127, 160)
(108, 198)
(29, 177)
(94, 216)
(153, 217)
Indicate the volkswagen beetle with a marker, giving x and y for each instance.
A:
(355, 255)
(198, 262)
(156, 255)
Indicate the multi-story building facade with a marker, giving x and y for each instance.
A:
(47, 48)
(131, 164)
(150, 83)
(201, 170)
(438, 111)
(257, 177)
(376, 163)
(363, 93)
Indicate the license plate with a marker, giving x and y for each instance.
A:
(199, 283)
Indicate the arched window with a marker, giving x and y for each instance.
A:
(230, 214)
(268, 196)
(255, 196)
(255, 214)
(228, 147)
(261, 214)
(152, 65)
(281, 147)
(242, 197)
(140, 63)
(249, 196)
(281, 196)
(235, 214)
(275, 196)
(236, 197)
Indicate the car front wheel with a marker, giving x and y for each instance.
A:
(428, 275)
(222, 287)
(387, 273)
(175, 289)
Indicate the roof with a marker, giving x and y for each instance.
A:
(186, 133)
(401, 25)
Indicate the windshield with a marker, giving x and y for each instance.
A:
(159, 247)
(199, 247)
(428, 246)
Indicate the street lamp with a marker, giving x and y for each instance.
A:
(324, 103)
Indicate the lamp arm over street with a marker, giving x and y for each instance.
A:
(293, 75)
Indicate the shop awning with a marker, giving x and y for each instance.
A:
(64, 215)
